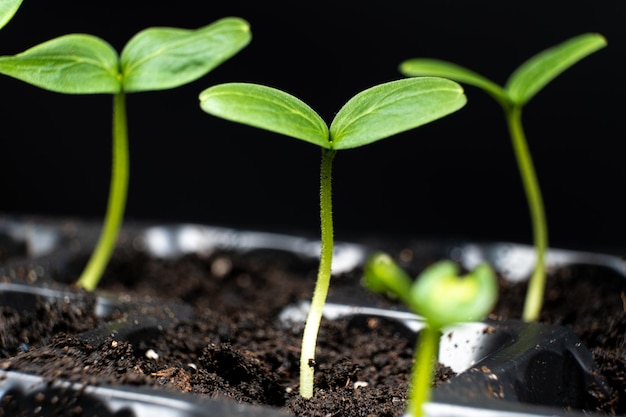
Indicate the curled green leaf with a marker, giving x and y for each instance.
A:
(444, 298)
(438, 294)
(394, 107)
(162, 58)
(266, 108)
(72, 64)
(382, 275)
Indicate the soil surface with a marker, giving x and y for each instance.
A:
(237, 348)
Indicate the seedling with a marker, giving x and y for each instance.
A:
(154, 59)
(8, 8)
(442, 298)
(526, 81)
(372, 115)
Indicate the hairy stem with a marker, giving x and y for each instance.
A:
(423, 373)
(311, 328)
(117, 198)
(536, 285)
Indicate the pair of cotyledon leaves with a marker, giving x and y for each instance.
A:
(371, 115)
(526, 81)
(154, 59)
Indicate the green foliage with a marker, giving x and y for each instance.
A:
(523, 84)
(372, 115)
(534, 74)
(382, 275)
(393, 107)
(424, 67)
(439, 294)
(8, 8)
(526, 81)
(71, 64)
(162, 58)
(266, 108)
(154, 59)
(442, 298)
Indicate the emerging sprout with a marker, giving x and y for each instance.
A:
(371, 115)
(154, 59)
(523, 84)
(442, 298)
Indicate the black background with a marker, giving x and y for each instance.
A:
(456, 177)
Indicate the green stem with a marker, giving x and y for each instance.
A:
(311, 327)
(536, 285)
(117, 198)
(424, 370)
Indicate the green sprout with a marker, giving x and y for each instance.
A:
(8, 8)
(374, 114)
(526, 81)
(154, 59)
(442, 298)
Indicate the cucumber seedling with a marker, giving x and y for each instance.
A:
(442, 298)
(523, 84)
(156, 58)
(372, 115)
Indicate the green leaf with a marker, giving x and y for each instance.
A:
(444, 298)
(393, 107)
(7, 10)
(381, 274)
(73, 64)
(162, 58)
(542, 68)
(265, 108)
(419, 67)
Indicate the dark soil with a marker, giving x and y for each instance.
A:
(237, 348)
